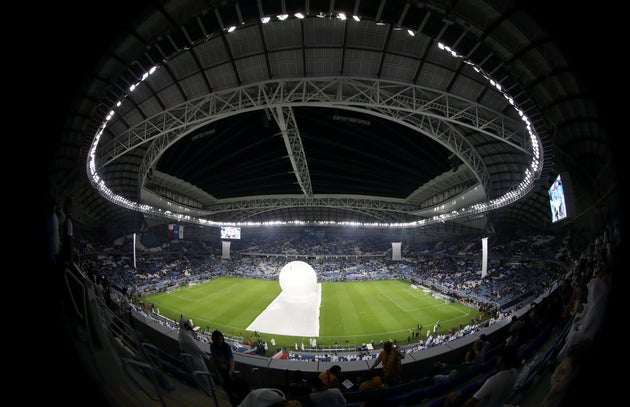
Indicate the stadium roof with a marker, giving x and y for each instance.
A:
(412, 111)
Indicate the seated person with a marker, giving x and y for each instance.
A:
(454, 371)
(330, 377)
(189, 345)
(299, 386)
(372, 381)
(565, 373)
(321, 397)
(267, 397)
(496, 389)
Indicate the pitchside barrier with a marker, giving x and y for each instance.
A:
(270, 371)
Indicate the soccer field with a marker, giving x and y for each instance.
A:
(351, 313)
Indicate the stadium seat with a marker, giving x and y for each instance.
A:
(203, 377)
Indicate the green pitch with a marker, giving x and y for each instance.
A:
(351, 313)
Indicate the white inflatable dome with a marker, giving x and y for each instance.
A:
(298, 280)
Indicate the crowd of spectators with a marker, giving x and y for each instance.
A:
(515, 270)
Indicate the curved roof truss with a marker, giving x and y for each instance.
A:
(435, 114)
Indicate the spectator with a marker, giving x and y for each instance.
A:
(479, 353)
(496, 389)
(52, 232)
(188, 344)
(516, 330)
(267, 397)
(299, 386)
(391, 358)
(454, 371)
(565, 373)
(223, 355)
(372, 381)
(586, 325)
(321, 397)
(67, 234)
(486, 344)
(224, 362)
(330, 377)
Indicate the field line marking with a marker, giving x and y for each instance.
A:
(461, 311)
(226, 290)
(390, 299)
